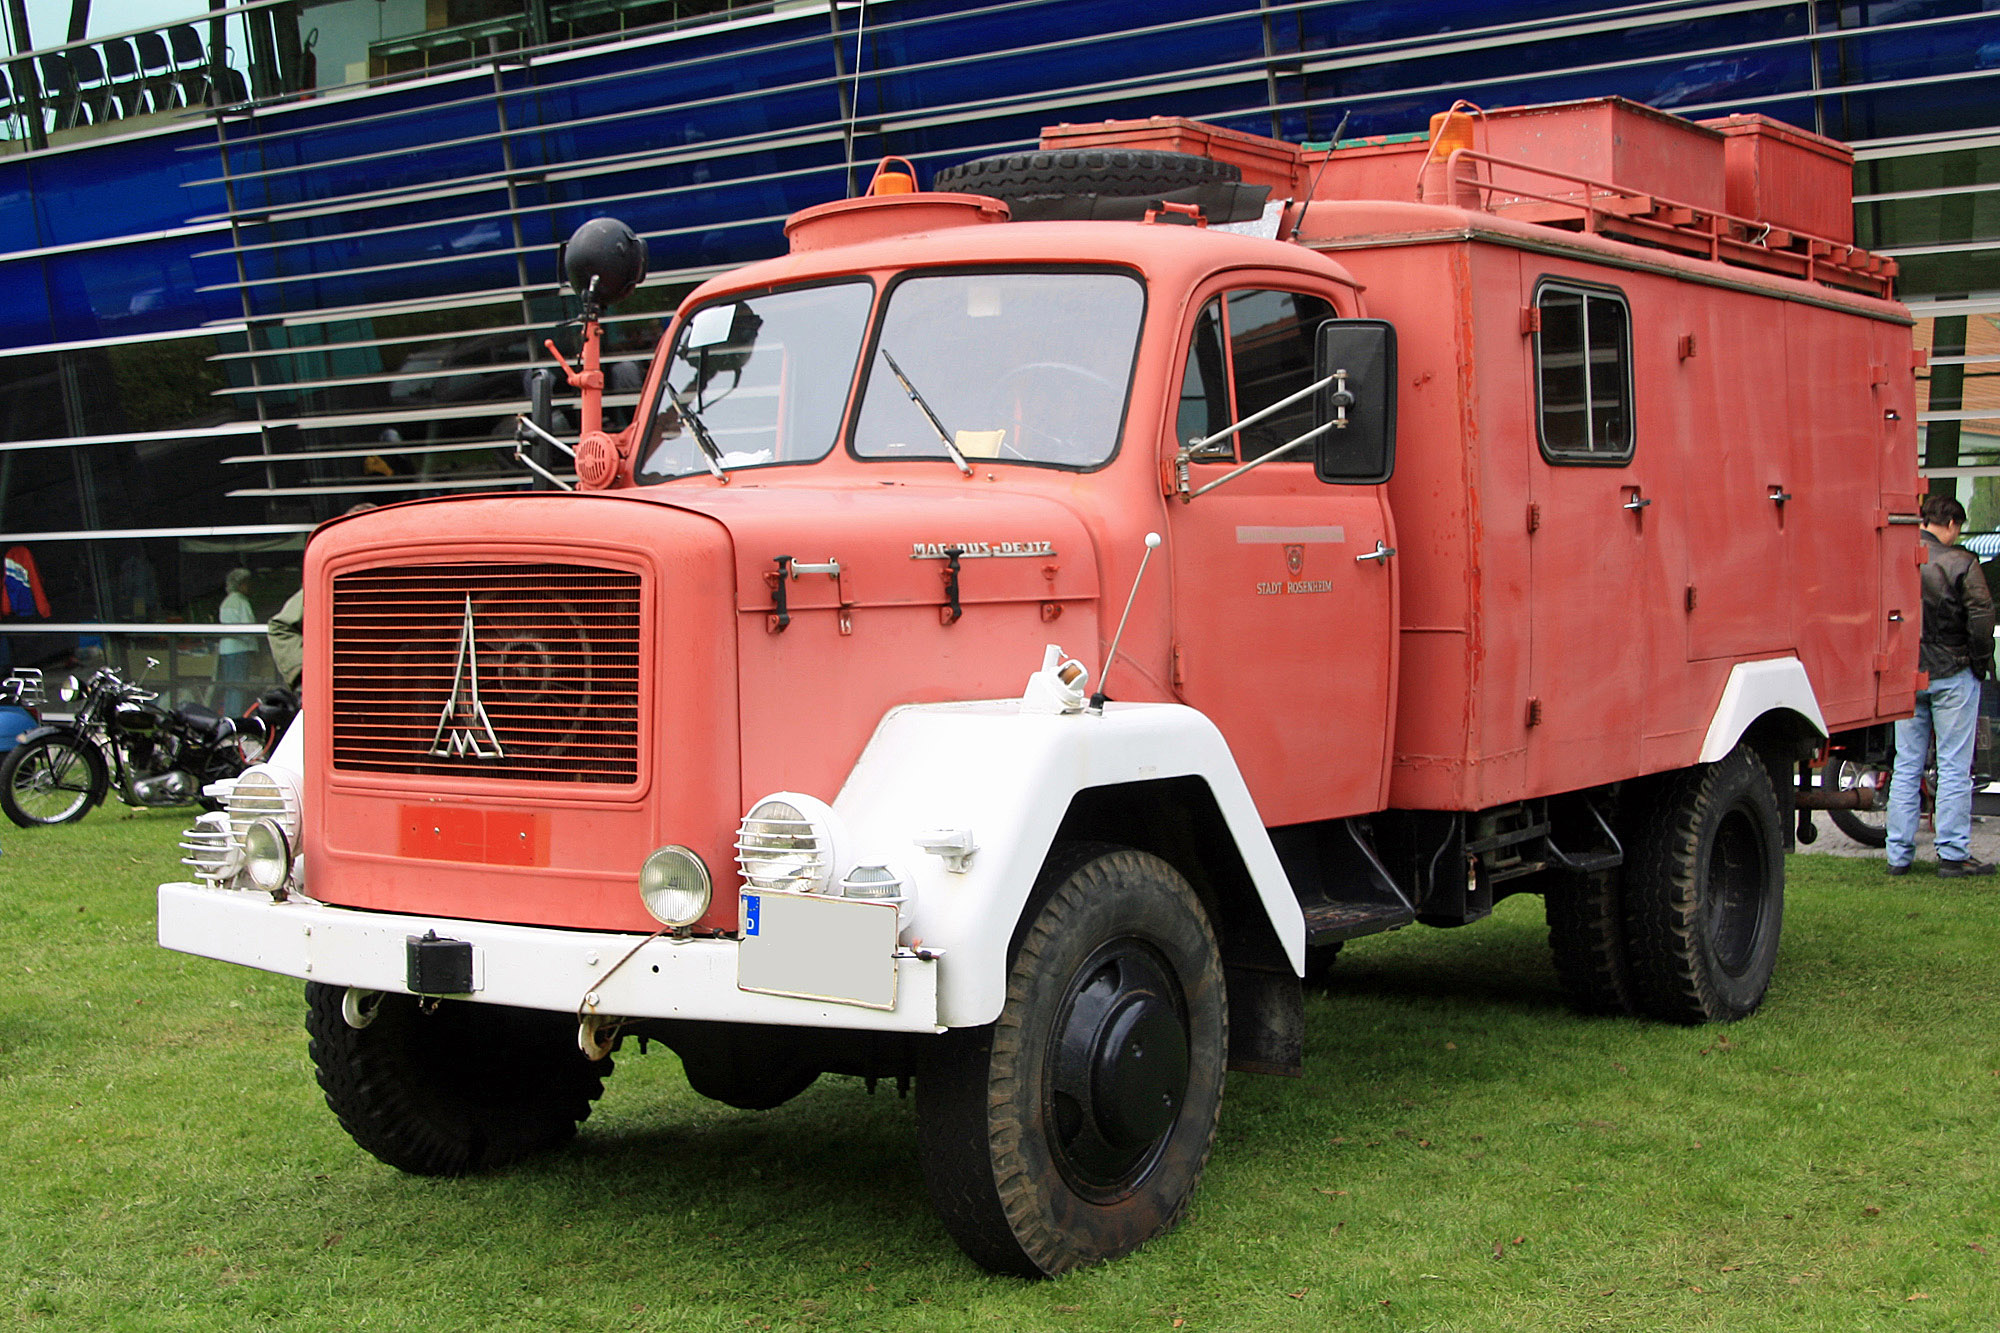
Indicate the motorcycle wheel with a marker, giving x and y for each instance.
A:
(51, 780)
(1870, 828)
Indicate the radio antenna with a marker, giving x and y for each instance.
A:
(1313, 189)
(1097, 700)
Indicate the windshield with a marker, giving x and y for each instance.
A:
(764, 377)
(1020, 367)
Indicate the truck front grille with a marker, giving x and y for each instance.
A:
(527, 672)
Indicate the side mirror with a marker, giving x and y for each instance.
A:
(542, 399)
(541, 411)
(607, 253)
(1360, 355)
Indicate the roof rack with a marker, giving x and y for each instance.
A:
(1602, 208)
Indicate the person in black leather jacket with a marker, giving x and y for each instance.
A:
(1957, 652)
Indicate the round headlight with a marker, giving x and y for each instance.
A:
(214, 852)
(265, 793)
(267, 855)
(69, 690)
(675, 887)
(786, 844)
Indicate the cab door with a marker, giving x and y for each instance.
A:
(1284, 585)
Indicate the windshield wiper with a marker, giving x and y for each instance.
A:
(709, 453)
(944, 436)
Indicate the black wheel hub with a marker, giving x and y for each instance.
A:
(1118, 1069)
(1735, 892)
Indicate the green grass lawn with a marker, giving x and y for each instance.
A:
(1462, 1154)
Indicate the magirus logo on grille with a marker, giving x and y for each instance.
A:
(463, 723)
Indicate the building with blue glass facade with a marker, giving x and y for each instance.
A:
(274, 259)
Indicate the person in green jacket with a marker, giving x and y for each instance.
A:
(287, 637)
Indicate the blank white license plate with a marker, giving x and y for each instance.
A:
(839, 949)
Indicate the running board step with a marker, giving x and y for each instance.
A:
(1327, 923)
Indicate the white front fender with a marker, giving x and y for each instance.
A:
(1006, 778)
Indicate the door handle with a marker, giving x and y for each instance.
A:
(1637, 502)
(1779, 495)
(1380, 552)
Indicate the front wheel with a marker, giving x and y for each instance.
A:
(54, 779)
(1705, 893)
(453, 1088)
(1074, 1128)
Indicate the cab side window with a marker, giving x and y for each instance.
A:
(1583, 374)
(1204, 407)
(1271, 340)
(1249, 350)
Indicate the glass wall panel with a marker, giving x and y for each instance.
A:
(161, 482)
(25, 317)
(173, 586)
(161, 385)
(125, 187)
(419, 199)
(131, 290)
(17, 210)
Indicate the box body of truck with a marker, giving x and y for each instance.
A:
(1506, 529)
(1573, 607)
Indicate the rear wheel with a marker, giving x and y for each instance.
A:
(1705, 893)
(1074, 1128)
(461, 1088)
(54, 779)
(1586, 920)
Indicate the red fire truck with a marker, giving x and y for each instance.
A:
(1031, 624)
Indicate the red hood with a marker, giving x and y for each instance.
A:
(891, 541)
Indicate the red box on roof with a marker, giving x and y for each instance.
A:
(1608, 140)
(1788, 177)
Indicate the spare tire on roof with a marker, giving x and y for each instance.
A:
(1106, 183)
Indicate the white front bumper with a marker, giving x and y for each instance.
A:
(530, 967)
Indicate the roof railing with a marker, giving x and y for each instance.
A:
(1670, 224)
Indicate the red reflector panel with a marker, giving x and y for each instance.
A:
(483, 837)
(524, 672)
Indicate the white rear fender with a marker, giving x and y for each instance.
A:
(999, 779)
(1753, 690)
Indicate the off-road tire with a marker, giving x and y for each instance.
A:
(467, 1087)
(70, 762)
(1108, 171)
(1705, 892)
(1586, 918)
(1049, 1139)
(1870, 828)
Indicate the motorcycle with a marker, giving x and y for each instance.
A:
(1865, 818)
(157, 756)
(1868, 823)
(20, 706)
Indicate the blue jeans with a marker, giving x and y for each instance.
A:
(1950, 709)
